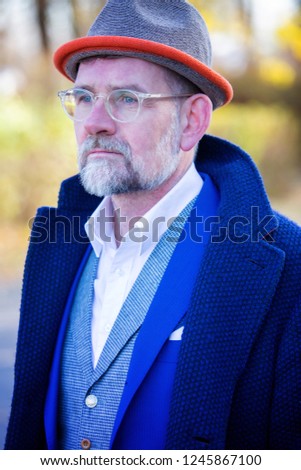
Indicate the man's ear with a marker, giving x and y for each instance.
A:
(195, 119)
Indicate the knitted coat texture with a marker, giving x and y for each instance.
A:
(238, 378)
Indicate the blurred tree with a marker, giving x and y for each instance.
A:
(41, 10)
(75, 17)
(78, 13)
(83, 13)
(3, 30)
(244, 9)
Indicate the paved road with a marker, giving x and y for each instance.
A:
(9, 315)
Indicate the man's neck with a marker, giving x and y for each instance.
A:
(130, 207)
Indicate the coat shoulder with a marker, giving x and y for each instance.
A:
(288, 236)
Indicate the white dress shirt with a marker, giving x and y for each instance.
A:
(119, 267)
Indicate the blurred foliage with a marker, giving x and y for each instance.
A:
(269, 134)
(289, 36)
(37, 151)
(276, 72)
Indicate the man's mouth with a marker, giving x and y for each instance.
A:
(101, 153)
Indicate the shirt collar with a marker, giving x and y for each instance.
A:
(148, 229)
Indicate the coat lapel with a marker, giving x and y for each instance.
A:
(234, 290)
(219, 334)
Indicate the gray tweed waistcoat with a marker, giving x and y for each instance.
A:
(105, 383)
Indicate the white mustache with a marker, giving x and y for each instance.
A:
(110, 144)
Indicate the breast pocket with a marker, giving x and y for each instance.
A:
(170, 351)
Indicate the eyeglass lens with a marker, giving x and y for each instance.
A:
(122, 105)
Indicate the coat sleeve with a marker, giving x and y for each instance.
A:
(286, 406)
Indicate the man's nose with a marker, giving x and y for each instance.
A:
(99, 121)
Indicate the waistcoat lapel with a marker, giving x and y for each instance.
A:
(140, 298)
(81, 318)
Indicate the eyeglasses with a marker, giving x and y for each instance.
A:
(121, 105)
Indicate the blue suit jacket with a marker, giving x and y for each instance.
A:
(237, 382)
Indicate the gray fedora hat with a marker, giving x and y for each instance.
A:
(170, 33)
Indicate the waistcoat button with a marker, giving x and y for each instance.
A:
(85, 444)
(91, 401)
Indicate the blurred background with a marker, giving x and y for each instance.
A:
(256, 45)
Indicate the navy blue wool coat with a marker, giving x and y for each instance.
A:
(238, 378)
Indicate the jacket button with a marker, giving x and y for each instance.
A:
(91, 401)
(85, 444)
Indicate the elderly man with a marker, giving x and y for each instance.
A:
(161, 299)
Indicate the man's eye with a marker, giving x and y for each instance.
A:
(129, 99)
(126, 98)
(82, 98)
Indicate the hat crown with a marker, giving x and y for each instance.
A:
(174, 23)
(169, 33)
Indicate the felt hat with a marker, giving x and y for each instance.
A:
(170, 33)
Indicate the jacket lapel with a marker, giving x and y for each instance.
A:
(173, 295)
(137, 304)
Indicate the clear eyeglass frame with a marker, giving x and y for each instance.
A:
(122, 105)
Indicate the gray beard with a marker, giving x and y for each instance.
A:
(125, 174)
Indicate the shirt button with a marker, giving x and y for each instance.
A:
(91, 401)
(119, 272)
(85, 444)
(107, 328)
(139, 224)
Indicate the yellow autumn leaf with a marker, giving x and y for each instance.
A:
(276, 72)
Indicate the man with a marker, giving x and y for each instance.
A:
(173, 319)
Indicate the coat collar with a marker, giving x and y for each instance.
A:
(241, 188)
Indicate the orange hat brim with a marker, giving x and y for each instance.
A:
(76, 50)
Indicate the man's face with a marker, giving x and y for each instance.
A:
(116, 157)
